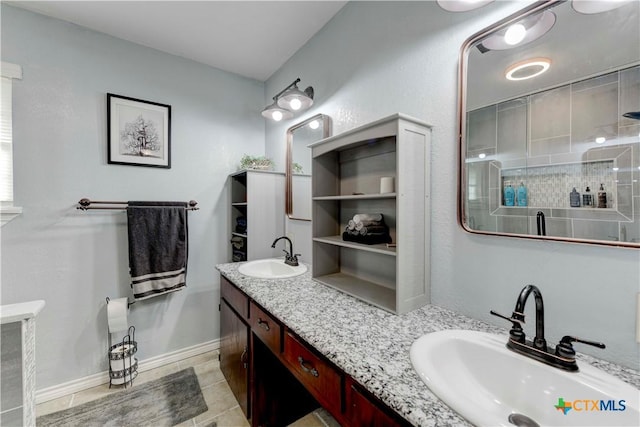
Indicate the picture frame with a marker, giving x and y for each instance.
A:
(138, 132)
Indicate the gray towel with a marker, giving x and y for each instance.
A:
(158, 247)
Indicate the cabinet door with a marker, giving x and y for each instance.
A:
(234, 354)
(363, 412)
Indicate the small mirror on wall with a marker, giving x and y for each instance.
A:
(549, 129)
(298, 172)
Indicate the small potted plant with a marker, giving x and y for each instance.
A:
(256, 162)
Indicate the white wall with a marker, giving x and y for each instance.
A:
(377, 58)
(73, 260)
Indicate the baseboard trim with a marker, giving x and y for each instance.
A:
(74, 386)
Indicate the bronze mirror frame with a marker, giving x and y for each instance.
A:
(326, 132)
(463, 67)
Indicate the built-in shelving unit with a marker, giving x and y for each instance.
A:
(346, 181)
(258, 197)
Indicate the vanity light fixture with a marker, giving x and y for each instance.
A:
(461, 5)
(527, 69)
(276, 113)
(597, 6)
(521, 32)
(289, 100)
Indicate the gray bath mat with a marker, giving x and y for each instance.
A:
(167, 401)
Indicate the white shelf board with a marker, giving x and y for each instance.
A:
(358, 197)
(337, 241)
(239, 204)
(370, 292)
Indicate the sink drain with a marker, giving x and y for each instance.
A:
(522, 421)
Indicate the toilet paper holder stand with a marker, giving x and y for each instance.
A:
(123, 366)
(129, 303)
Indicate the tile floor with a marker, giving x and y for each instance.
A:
(223, 407)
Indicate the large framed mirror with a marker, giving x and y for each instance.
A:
(549, 124)
(298, 169)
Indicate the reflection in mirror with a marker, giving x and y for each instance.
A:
(298, 173)
(553, 152)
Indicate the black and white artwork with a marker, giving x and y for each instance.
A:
(139, 132)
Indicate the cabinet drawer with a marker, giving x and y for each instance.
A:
(234, 296)
(320, 378)
(265, 327)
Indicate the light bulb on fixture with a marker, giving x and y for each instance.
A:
(295, 99)
(597, 6)
(295, 104)
(461, 5)
(274, 112)
(522, 32)
(515, 34)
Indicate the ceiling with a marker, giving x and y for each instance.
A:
(249, 38)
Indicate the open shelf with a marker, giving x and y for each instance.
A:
(337, 240)
(364, 290)
(347, 171)
(256, 196)
(358, 197)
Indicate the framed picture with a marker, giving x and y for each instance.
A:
(138, 132)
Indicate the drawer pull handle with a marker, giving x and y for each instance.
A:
(243, 358)
(264, 324)
(307, 367)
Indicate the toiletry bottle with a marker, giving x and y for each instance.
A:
(574, 198)
(509, 194)
(602, 197)
(587, 198)
(522, 195)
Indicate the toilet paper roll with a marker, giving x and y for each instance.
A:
(387, 184)
(117, 315)
(122, 364)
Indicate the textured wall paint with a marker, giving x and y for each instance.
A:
(73, 260)
(377, 58)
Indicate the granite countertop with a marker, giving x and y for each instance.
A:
(370, 344)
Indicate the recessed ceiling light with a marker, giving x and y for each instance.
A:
(597, 6)
(482, 155)
(522, 32)
(600, 140)
(527, 69)
(461, 5)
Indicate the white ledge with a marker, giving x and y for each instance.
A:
(9, 213)
(22, 311)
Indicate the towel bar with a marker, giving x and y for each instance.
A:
(85, 204)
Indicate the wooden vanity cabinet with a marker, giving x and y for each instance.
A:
(235, 342)
(363, 409)
(277, 377)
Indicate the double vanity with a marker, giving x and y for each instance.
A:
(289, 344)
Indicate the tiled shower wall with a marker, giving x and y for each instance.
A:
(547, 141)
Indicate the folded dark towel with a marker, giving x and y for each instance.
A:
(367, 239)
(158, 247)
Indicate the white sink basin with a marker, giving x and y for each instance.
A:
(271, 268)
(483, 381)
